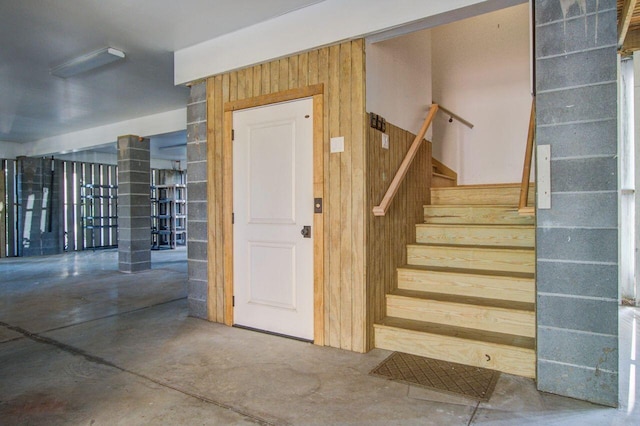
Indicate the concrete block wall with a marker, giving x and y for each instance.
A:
(197, 201)
(134, 207)
(577, 239)
(40, 219)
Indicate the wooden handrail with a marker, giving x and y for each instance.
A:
(381, 209)
(453, 115)
(528, 155)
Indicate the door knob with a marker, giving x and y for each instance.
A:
(306, 231)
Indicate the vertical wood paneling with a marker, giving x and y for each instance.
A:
(388, 235)
(341, 69)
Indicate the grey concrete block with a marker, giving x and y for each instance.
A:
(196, 210)
(595, 316)
(197, 289)
(197, 172)
(197, 112)
(197, 308)
(197, 190)
(577, 34)
(590, 280)
(134, 223)
(127, 246)
(197, 270)
(134, 171)
(554, 10)
(125, 188)
(197, 250)
(595, 351)
(571, 70)
(598, 210)
(134, 154)
(197, 132)
(581, 244)
(584, 174)
(597, 386)
(134, 256)
(580, 139)
(196, 151)
(134, 267)
(577, 104)
(197, 230)
(197, 93)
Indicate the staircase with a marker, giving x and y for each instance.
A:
(467, 293)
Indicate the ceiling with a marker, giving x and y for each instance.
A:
(628, 26)
(39, 34)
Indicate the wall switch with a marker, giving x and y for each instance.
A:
(385, 141)
(337, 144)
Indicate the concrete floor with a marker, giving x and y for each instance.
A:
(81, 343)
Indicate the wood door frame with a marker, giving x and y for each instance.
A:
(316, 92)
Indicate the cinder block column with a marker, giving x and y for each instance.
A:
(197, 201)
(577, 239)
(134, 206)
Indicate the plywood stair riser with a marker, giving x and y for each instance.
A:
(468, 283)
(488, 318)
(481, 235)
(509, 359)
(472, 257)
(487, 214)
(439, 180)
(502, 194)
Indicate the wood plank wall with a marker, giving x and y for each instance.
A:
(340, 68)
(387, 236)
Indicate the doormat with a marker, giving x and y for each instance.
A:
(443, 376)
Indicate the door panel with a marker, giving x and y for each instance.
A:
(273, 200)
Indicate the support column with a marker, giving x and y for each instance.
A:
(134, 206)
(577, 239)
(197, 205)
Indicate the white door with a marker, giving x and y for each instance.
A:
(272, 202)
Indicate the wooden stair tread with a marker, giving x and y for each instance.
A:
(491, 186)
(471, 206)
(465, 300)
(460, 332)
(465, 271)
(478, 247)
(440, 175)
(478, 225)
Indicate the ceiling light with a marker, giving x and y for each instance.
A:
(88, 62)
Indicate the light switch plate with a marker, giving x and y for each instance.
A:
(385, 141)
(337, 144)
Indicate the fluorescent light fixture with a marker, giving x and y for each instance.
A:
(88, 62)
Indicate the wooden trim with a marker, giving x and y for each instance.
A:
(528, 155)
(381, 209)
(444, 170)
(318, 220)
(274, 98)
(624, 20)
(227, 213)
(316, 92)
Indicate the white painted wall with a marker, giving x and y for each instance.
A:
(9, 150)
(166, 122)
(481, 72)
(323, 23)
(399, 79)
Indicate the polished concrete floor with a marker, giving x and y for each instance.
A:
(81, 343)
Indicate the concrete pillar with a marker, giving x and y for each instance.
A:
(134, 206)
(197, 289)
(577, 239)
